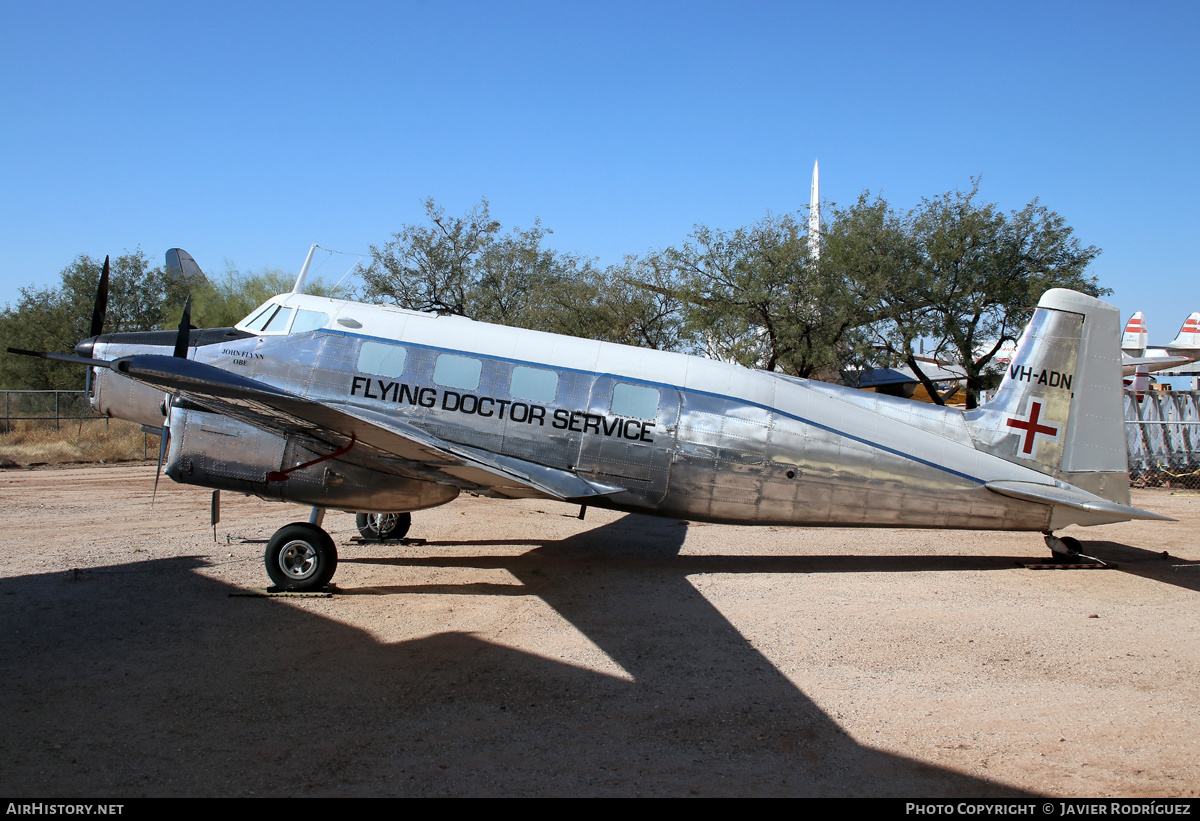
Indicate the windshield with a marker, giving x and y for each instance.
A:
(271, 318)
(258, 317)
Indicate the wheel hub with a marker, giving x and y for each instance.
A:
(298, 559)
(383, 522)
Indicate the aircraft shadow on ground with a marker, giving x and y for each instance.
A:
(1147, 564)
(149, 679)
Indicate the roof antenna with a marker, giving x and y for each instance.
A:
(299, 286)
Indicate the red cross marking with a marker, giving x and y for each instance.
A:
(1031, 426)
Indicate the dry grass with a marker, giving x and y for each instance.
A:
(114, 440)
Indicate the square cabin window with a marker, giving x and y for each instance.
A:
(533, 383)
(454, 371)
(637, 401)
(381, 359)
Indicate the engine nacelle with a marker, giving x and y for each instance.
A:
(120, 396)
(215, 451)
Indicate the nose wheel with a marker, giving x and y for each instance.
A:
(301, 557)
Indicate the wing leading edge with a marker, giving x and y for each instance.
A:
(397, 444)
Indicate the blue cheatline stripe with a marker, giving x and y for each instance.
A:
(669, 386)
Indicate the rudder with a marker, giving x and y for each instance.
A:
(1059, 409)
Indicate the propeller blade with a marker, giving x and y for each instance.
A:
(162, 454)
(101, 305)
(164, 438)
(185, 323)
(87, 392)
(60, 357)
(99, 308)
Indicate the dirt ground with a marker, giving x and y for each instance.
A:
(521, 651)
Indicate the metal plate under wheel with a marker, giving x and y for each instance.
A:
(273, 593)
(361, 540)
(1096, 565)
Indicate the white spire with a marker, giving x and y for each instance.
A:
(814, 215)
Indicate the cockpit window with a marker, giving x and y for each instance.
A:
(272, 318)
(279, 322)
(256, 320)
(309, 321)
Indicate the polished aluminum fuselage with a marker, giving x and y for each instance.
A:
(725, 444)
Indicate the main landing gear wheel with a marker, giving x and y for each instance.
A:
(380, 526)
(301, 557)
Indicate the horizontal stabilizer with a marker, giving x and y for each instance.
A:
(1071, 497)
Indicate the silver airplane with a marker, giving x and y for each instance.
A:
(382, 411)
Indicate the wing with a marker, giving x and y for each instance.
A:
(384, 442)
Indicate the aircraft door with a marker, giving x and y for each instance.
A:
(628, 436)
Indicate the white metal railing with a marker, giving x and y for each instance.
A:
(1161, 432)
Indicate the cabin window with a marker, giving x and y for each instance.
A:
(279, 322)
(454, 371)
(533, 383)
(381, 359)
(263, 317)
(637, 401)
(309, 321)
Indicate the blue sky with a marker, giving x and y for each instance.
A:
(247, 131)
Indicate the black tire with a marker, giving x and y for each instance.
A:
(380, 526)
(1071, 544)
(301, 557)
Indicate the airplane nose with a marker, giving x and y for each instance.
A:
(84, 348)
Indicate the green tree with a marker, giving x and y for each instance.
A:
(434, 267)
(760, 297)
(140, 298)
(466, 266)
(634, 303)
(229, 298)
(54, 319)
(977, 275)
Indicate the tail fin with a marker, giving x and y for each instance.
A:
(1139, 381)
(1059, 409)
(1189, 334)
(182, 266)
(1136, 337)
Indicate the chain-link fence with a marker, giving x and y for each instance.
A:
(56, 427)
(43, 408)
(1163, 438)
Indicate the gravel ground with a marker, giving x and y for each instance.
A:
(521, 651)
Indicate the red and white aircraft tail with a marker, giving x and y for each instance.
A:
(1189, 335)
(1137, 355)
(1136, 338)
